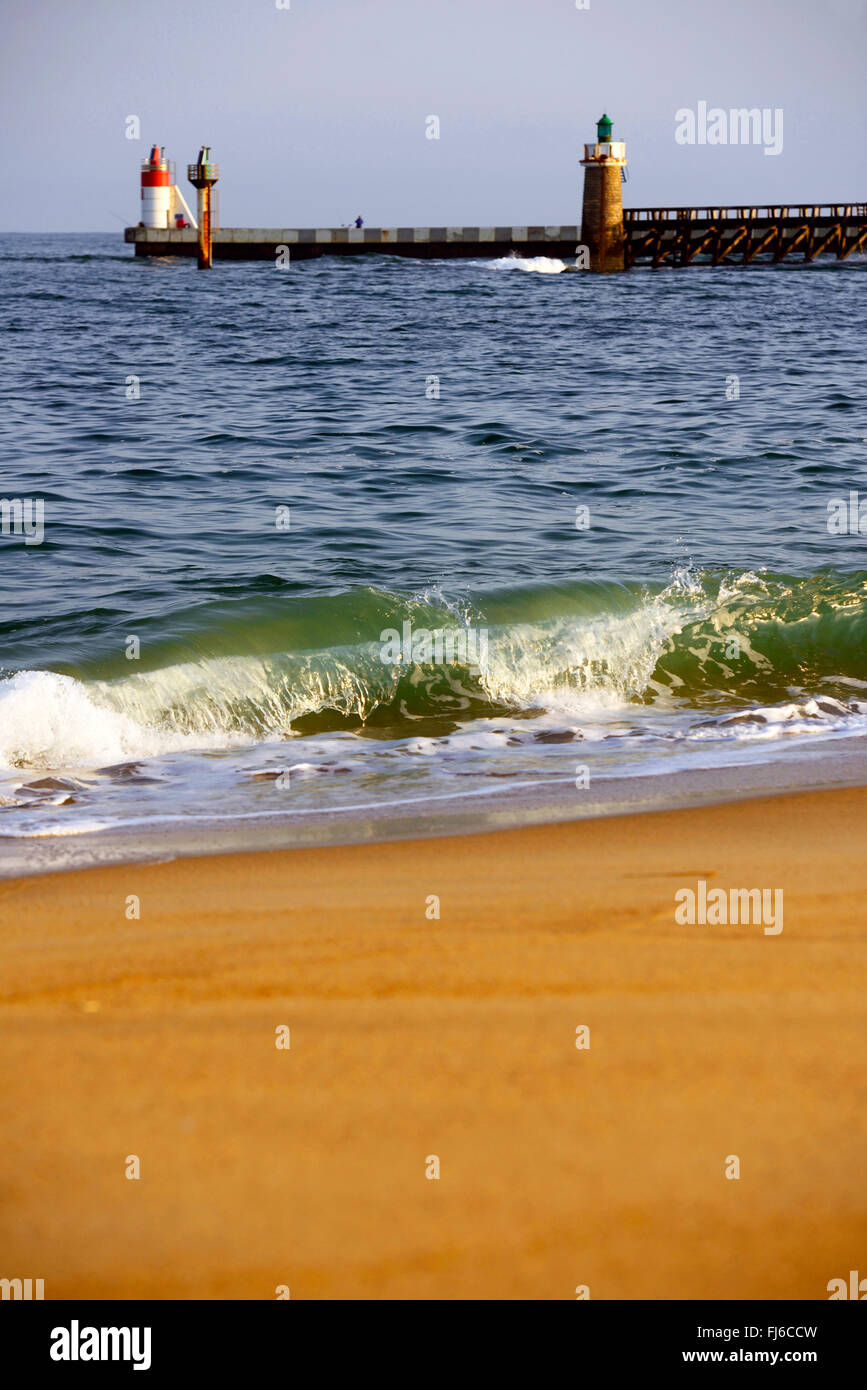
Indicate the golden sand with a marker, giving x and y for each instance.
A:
(413, 1036)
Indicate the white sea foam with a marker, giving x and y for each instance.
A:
(53, 721)
(800, 718)
(540, 265)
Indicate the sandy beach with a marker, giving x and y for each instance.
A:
(413, 1036)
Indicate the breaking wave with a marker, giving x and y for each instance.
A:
(743, 649)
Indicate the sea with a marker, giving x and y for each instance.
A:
(371, 547)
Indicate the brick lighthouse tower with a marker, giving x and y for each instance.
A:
(602, 215)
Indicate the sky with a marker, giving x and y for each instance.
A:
(318, 112)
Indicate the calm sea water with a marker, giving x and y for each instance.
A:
(606, 500)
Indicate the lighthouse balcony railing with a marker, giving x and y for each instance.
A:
(203, 171)
(609, 149)
(160, 165)
(803, 211)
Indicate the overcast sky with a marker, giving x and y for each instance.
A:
(318, 112)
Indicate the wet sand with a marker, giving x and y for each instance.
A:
(413, 1036)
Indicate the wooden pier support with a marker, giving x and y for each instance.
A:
(681, 236)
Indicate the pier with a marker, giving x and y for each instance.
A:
(262, 244)
(652, 236)
(610, 238)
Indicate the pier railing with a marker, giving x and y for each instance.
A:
(806, 211)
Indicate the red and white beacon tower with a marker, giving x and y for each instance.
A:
(156, 189)
(162, 202)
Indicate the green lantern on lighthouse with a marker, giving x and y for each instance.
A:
(604, 127)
